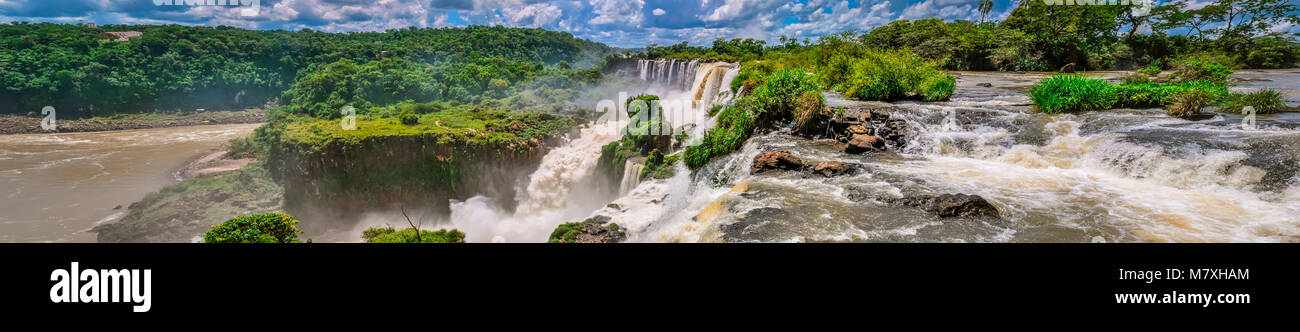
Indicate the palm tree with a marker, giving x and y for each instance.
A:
(984, 8)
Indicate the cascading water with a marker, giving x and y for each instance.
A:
(1115, 176)
(563, 188)
(560, 189)
(673, 73)
(631, 175)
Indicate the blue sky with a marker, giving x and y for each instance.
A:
(622, 23)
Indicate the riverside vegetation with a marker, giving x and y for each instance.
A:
(444, 113)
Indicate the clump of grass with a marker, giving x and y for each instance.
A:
(1190, 102)
(1069, 93)
(810, 113)
(1264, 101)
(1156, 95)
(1072, 93)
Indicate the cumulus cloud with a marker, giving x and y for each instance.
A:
(616, 11)
(532, 16)
(945, 9)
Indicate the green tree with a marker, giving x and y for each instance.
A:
(984, 7)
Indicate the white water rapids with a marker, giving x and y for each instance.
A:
(1113, 176)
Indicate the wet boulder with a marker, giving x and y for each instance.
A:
(596, 229)
(865, 143)
(771, 161)
(832, 168)
(855, 130)
(984, 84)
(751, 222)
(893, 130)
(953, 205)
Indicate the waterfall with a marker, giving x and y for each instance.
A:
(558, 191)
(671, 73)
(631, 175)
(564, 168)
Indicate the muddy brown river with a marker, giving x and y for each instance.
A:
(57, 186)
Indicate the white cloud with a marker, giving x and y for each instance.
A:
(728, 10)
(945, 9)
(616, 11)
(840, 18)
(532, 16)
(659, 11)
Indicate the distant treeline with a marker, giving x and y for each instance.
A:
(1040, 37)
(83, 71)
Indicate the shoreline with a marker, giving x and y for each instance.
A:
(20, 124)
(212, 163)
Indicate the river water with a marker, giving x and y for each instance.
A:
(57, 186)
(1128, 175)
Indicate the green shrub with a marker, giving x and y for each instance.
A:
(1264, 101)
(887, 75)
(775, 99)
(1072, 93)
(566, 233)
(1189, 102)
(387, 234)
(1195, 70)
(633, 108)
(255, 228)
(659, 166)
(1272, 52)
(409, 119)
(734, 126)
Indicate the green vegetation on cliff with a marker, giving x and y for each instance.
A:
(771, 103)
(465, 125)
